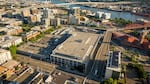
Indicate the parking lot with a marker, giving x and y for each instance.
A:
(43, 47)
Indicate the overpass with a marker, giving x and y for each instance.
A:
(97, 3)
(135, 26)
(97, 71)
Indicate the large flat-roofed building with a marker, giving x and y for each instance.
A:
(113, 64)
(76, 50)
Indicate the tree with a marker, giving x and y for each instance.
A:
(108, 81)
(16, 68)
(13, 50)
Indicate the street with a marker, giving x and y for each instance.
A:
(97, 70)
(36, 64)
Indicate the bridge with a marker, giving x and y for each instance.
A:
(135, 26)
(96, 72)
(98, 3)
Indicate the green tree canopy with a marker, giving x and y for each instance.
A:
(13, 50)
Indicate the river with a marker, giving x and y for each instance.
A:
(114, 14)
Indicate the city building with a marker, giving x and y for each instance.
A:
(40, 28)
(47, 13)
(6, 41)
(32, 18)
(26, 13)
(103, 15)
(47, 22)
(55, 22)
(4, 56)
(73, 20)
(75, 52)
(9, 68)
(107, 15)
(30, 34)
(11, 22)
(11, 30)
(34, 11)
(39, 17)
(99, 14)
(10, 64)
(113, 66)
(76, 11)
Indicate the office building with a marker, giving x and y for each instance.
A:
(32, 18)
(26, 13)
(113, 64)
(4, 56)
(75, 52)
(11, 22)
(34, 11)
(55, 22)
(103, 15)
(76, 11)
(39, 17)
(47, 13)
(107, 15)
(30, 34)
(73, 20)
(99, 14)
(6, 41)
(11, 30)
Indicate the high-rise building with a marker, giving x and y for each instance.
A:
(47, 13)
(26, 13)
(73, 20)
(55, 22)
(33, 18)
(34, 11)
(76, 11)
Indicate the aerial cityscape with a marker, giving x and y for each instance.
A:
(74, 41)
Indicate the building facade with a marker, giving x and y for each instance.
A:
(113, 64)
(6, 41)
(75, 52)
(30, 35)
(4, 56)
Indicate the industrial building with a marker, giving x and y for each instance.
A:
(113, 64)
(75, 52)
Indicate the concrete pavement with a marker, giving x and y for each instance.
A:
(98, 67)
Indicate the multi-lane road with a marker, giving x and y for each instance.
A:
(97, 71)
(36, 64)
(100, 3)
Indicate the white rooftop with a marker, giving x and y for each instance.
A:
(78, 45)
